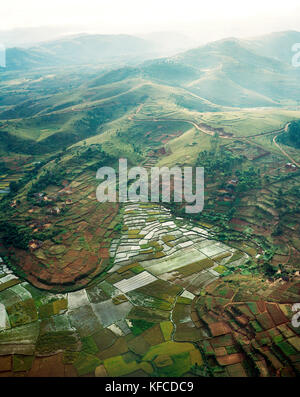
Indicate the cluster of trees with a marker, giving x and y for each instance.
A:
(214, 217)
(217, 161)
(93, 152)
(292, 137)
(220, 161)
(30, 175)
(16, 186)
(50, 177)
(19, 236)
(15, 235)
(93, 119)
(268, 269)
(271, 271)
(248, 179)
(3, 168)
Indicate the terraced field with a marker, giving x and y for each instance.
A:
(141, 289)
(250, 328)
(132, 321)
(135, 290)
(168, 248)
(81, 249)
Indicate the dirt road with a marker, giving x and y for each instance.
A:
(285, 153)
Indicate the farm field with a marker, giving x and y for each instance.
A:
(139, 290)
(118, 289)
(106, 329)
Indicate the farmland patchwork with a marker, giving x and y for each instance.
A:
(161, 309)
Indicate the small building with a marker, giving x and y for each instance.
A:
(233, 182)
(34, 244)
(291, 166)
(13, 204)
(38, 195)
(54, 211)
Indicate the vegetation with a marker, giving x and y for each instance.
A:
(216, 161)
(292, 137)
(120, 290)
(15, 235)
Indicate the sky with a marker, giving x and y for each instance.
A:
(209, 19)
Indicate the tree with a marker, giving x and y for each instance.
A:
(269, 269)
(13, 187)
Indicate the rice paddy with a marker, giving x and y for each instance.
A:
(142, 317)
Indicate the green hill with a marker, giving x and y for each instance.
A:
(80, 49)
(230, 72)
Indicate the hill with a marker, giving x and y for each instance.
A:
(276, 45)
(79, 49)
(231, 72)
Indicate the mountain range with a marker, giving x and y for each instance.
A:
(230, 72)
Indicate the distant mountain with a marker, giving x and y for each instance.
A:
(274, 45)
(230, 72)
(79, 50)
(233, 72)
(83, 49)
(28, 37)
(20, 59)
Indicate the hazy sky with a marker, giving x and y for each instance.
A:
(211, 18)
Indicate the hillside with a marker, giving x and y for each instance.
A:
(275, 45)
(230, 72)
(80, 49)
(91, 288)
(46, 123)
(292, 137)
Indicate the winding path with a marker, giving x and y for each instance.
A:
(211, 133)
(285, 153)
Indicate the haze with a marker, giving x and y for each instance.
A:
(200, 20)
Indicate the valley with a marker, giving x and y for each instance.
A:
(144, 289)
